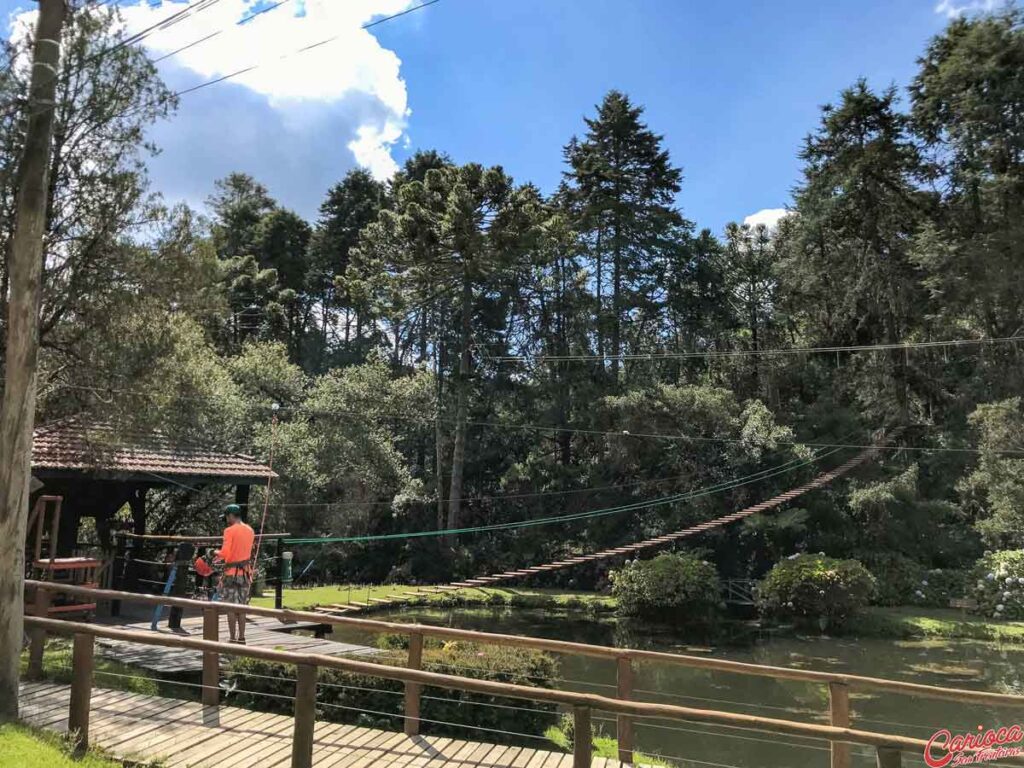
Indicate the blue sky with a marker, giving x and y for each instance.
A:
(733, 86)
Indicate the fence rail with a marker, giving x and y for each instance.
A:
(839, 686)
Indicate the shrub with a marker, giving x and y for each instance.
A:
(374, 702)
(816, 587)
(899, 580)
(897, 577)
(998, 585)
(669, 586)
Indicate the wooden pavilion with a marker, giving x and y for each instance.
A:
(97, 469)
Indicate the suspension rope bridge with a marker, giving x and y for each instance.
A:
(495, 579)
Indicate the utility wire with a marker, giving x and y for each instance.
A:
(755, 352)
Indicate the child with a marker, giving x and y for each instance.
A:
(203, 572)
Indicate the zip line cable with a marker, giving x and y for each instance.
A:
(756, 352)
(686, 496)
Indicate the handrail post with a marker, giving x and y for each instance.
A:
(889, 757)
(279, 585)
(81, 691)
(581, 737)
(211, 659)
(624, 723)
(305, 715)
(413, 690)
(839, 716)
(37, 635)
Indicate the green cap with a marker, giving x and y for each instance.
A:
(233, 509)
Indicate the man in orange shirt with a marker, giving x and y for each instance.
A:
(236, 584)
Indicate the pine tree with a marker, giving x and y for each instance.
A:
(621, 186)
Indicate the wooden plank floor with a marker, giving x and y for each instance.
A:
(185, 734)
(262, 631)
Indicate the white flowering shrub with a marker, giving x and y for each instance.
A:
(997, 583)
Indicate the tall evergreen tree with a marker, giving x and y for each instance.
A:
(621, 186)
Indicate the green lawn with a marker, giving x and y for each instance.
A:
(109, 674)
(342, 594)
(910, 622)
(28, 748)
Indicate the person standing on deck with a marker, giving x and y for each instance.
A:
(236, 584)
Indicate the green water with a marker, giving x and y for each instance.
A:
(961, 664)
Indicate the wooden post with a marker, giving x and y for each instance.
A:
(305, 716)
(81, 691)
(839, 716)
(624, 723)
(581, 737)
(211, 659)
(117, 572)
(889, 757)
(413, 690)
(279, 584)
(37, 642)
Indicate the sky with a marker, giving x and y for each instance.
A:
(733, 86)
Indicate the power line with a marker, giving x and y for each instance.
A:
(756, 352)
(246, 20)
(297, 51)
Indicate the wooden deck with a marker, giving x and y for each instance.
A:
(261, 631)
(184, 733)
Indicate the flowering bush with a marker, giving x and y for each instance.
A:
(998, 585)
(816, 587)
(669, 586)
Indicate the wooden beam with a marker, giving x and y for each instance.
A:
(211, 659)
(581, 737)
(839, 716)
(81, 691)
(378, 626)
(624, 723)
(413, 690)
(305, 716)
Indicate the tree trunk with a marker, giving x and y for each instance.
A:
(17, 412)
(461, 408)
(439, 437)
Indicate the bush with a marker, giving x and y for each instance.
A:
(816, 587)
(669, 586)
(899, 580)
(998, 585)
(374, 702)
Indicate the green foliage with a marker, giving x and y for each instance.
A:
(993, 493)
(374, 702)
(28, 748)
(816, 587)
(997, 583)
(900, 580)
(669, 587)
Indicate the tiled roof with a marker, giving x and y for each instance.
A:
(79, 445)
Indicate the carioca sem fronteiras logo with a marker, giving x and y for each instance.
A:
(944, 749)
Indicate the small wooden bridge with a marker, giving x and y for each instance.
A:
(123, 721)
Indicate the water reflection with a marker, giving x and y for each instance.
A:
(961, 664)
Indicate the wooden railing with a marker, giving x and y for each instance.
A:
(839, 686)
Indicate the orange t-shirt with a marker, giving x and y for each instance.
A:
(238, 539)
(202, 568)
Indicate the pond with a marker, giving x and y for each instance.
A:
(958, 664)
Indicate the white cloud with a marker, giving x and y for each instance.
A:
(954, 8)
(770, 217)
(348, 70)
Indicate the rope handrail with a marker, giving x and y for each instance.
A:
(576, 700)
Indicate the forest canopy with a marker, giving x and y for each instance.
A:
(454, 348)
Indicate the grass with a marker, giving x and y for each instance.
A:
(109, 674)
(29, 748)
(601, 746)
(906, 623)
(343, 594)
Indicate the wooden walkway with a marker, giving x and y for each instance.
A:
(179, 733)
(261, 631)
